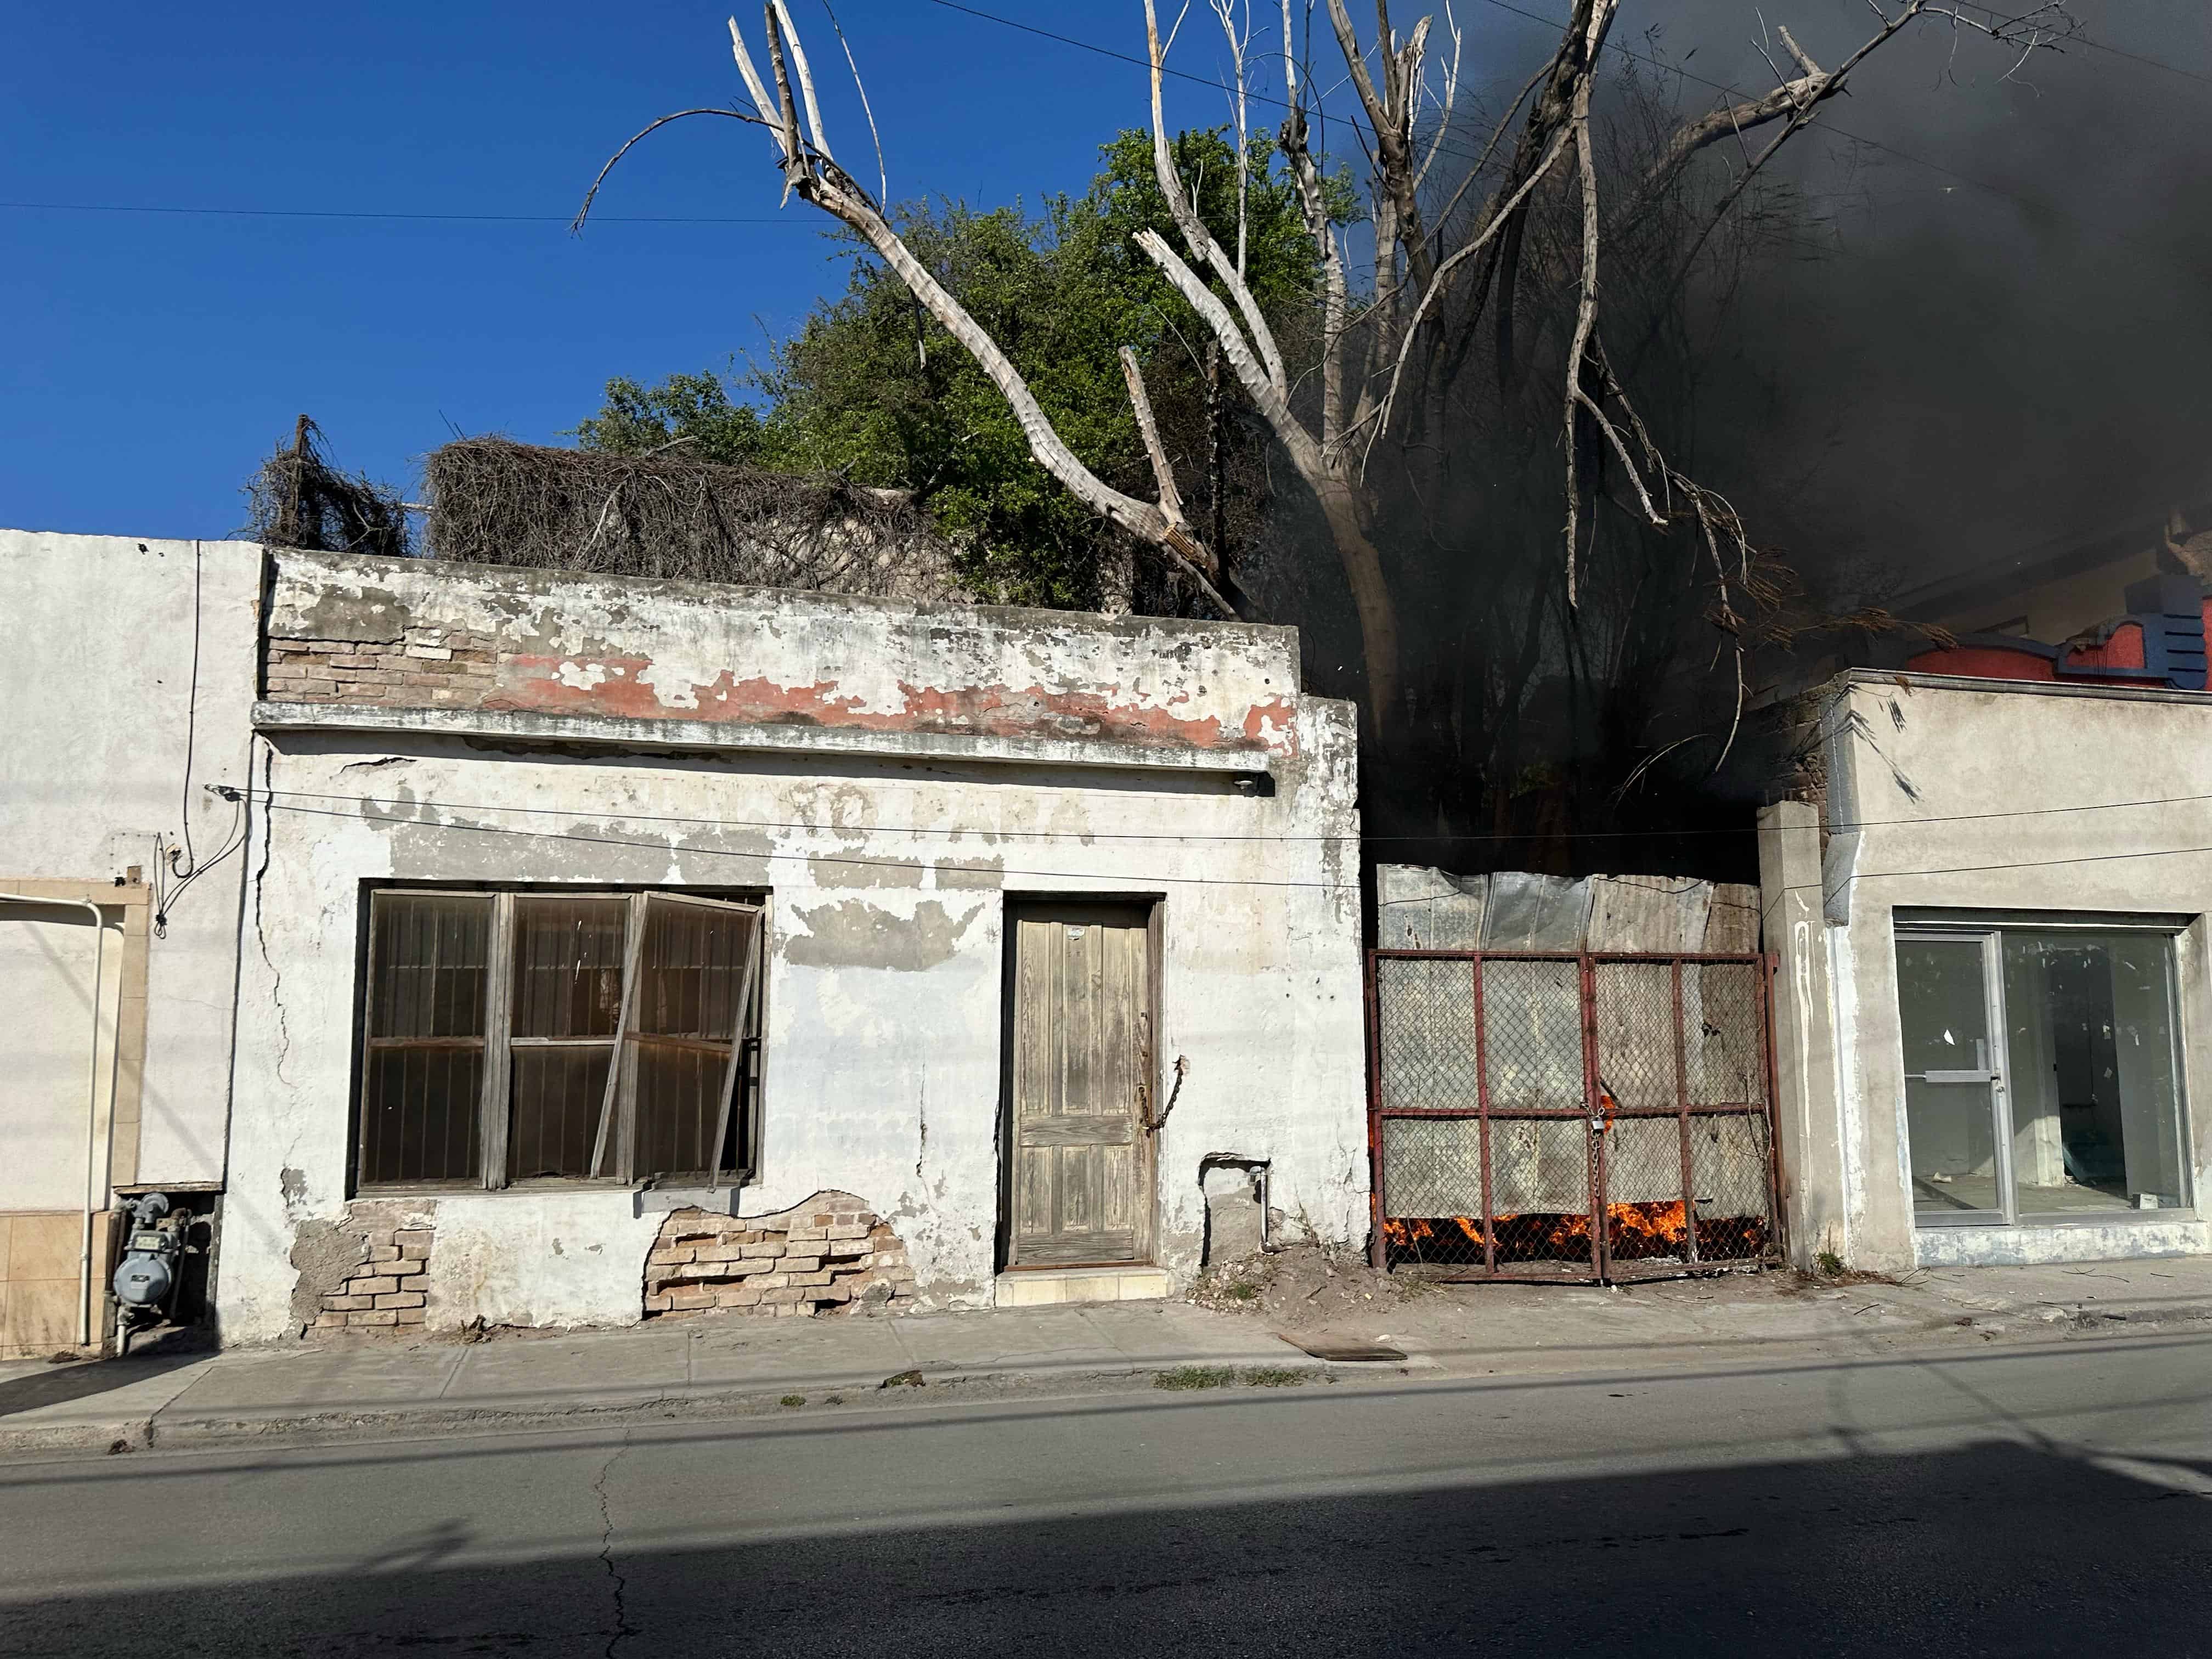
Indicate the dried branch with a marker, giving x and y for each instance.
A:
(753, 86)
(805, 80)
(1793, 98)
(1391, 111)
(1799, 100)
(1202, 242)
(1148, 429)
(1225, 10)
(1313, 208)
(1496, 133)
(1267, 396)
(590, 194)
(883, 173)
(795, 164)
(1381, 417)
(1585, 318)
(810, 171)
(1444, 103)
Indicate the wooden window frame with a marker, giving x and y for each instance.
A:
(615, 1140)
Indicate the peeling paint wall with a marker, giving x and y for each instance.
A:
(1974, 797)
(420, 633)
(887, 876)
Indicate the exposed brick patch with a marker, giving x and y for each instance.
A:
(389, 1291)
(831, 1255)
(408, 672)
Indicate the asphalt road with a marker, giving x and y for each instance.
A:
(2056, 1500)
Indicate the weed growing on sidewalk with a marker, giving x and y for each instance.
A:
(1222, 1376)
(1195, 1377)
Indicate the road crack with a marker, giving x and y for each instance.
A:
(618, 1583)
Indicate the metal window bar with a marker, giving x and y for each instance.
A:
(424, 1040)
(491, 1039)
(681, 1038)
(1571, 1115)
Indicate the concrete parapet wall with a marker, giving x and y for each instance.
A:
(398, 633)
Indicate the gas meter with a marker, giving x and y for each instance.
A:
(146, 1280)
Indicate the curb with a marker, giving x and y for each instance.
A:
(409, 1422)
(127, 1434)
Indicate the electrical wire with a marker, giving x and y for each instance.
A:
(438, 218)
(1837, 827)
(1456, 152)
(1193, 881)
(2039, 207)
(173, 878)
(2097, 45)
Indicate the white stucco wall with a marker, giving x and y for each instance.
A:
(96, 682)
(889, 877)
(2004, 796)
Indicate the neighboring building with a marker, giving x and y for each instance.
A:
(1993, 1008)
(617, 948)
(2128, 605)
(129, 684)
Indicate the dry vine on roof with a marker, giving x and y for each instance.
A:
(496, 502)
(296, 498)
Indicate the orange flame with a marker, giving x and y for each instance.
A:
(1637, 1231)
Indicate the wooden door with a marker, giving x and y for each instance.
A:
(1079, 1164)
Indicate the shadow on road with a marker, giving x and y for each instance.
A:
(1997, 1546)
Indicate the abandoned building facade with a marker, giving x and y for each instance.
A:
(461, 943)
(605, 949)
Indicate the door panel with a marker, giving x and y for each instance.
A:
(1958, 1159)
(1079, 1175)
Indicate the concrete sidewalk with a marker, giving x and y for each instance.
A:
(736, 1366)
(667, 1370)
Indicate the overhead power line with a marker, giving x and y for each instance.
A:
(1733, 92)
(1180, 881)
(1255, 95)
(438, 218)
(276, 797)
(2001, 18)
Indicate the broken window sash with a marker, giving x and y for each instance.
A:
(520, 1037)
(691, 987)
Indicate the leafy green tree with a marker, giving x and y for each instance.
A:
(695, 411)
(869, 388)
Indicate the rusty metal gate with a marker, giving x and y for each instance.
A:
(1554, 1116)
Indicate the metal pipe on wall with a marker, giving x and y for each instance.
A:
(94, 1174)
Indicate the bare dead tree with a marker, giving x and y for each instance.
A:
(1418, 319)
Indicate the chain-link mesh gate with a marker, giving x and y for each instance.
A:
(1553, 1115)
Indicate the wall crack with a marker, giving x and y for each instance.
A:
(260, 933)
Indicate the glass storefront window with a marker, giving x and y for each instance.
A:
(1943, 1007)
(2076, 1111)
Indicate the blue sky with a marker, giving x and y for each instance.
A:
(156, 357)
(152, 358)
